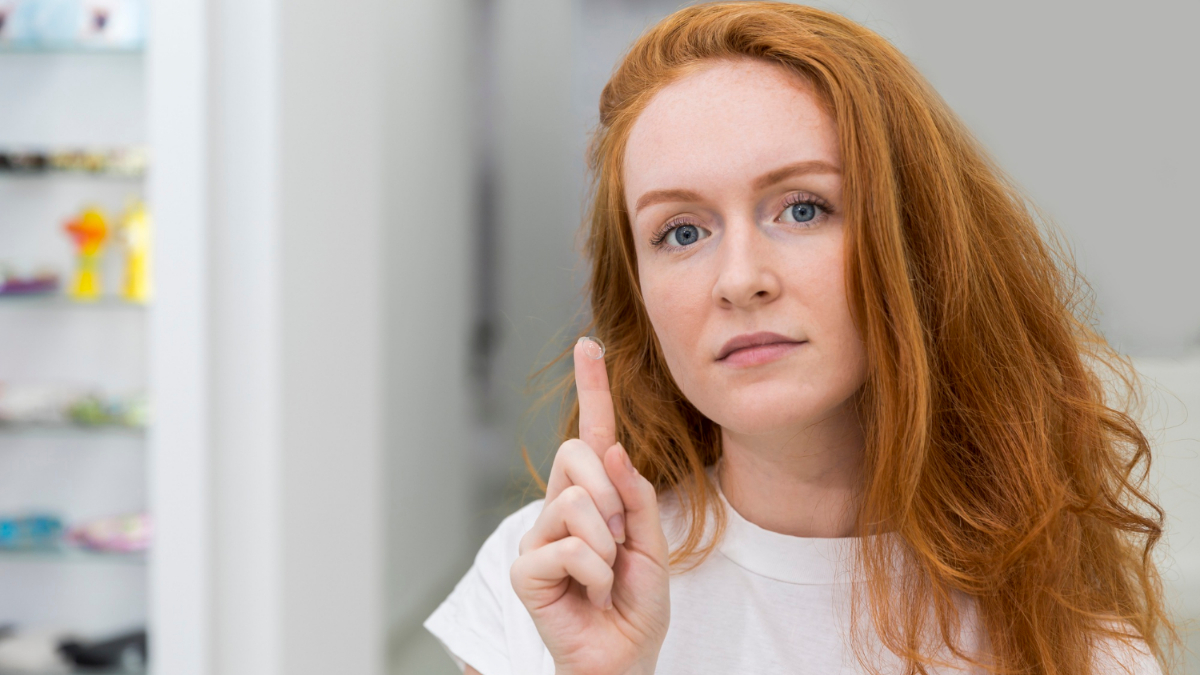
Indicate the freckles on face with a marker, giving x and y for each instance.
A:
(733, 188)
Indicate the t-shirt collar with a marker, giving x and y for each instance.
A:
(783, 557)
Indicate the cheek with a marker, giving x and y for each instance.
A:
(678, 304)
(822, 286)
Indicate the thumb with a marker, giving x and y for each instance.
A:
(643, 528)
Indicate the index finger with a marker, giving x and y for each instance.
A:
(597, 422)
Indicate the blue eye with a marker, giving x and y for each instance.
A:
(804, 212)
(679, 236)
(684, 235)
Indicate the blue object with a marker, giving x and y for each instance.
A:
(73, 24)
(35, 531)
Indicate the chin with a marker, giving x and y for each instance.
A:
(771, 407)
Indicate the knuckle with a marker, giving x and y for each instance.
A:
(560, 455)
(571, 446)
(568, 454)
(575, 498)
(574, 548)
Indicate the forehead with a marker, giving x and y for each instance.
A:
(727, 123)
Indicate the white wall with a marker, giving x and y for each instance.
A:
(309, 338)
(428, 200)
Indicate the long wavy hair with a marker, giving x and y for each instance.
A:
(1001, 441)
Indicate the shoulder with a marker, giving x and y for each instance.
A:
(1125, 657)
(482, 622)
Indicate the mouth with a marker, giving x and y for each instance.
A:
(766, 343)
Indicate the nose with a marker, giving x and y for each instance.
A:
(747, 275)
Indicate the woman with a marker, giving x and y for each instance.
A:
(867, 428)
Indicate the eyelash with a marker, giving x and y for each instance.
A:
(792, 200)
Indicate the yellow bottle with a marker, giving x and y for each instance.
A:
(89, 232)
(135, 231)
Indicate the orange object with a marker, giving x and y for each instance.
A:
(89, 232)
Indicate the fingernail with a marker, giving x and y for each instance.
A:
(592, 347)
(628, 464)
(617, 525)
(608, 601)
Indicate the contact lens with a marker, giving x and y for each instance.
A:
(592, 347)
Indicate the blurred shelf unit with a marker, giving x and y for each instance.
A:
(121, 163)
(72, 402)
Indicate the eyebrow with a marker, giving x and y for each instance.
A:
(762, 182)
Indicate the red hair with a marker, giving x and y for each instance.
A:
(992, 446)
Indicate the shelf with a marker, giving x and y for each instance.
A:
(71, 555)
(55, 49)
(81, 672)
(122, 162)
(73, 672)
(59, 174)
(70, 430)
(56, 301)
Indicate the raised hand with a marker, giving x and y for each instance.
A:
(593, 569)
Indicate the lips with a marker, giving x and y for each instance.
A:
(753, 340)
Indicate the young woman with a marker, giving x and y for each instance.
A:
(849, 419)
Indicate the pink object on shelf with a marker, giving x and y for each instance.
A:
(121, 534)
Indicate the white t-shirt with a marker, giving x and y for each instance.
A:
(763, 602)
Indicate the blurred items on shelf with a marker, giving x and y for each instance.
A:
(131, 161)
(30, 532)
(53, 651)
(123, 653)
(41, 282)
(120, 534)
(135, 233)
(73, 24)
(61, 405)
(89, 231)
(37, 531)
(100, 410)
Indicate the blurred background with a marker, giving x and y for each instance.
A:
(275, 275)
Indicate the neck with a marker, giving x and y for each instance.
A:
(800, 482)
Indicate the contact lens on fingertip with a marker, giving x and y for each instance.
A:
(592, 347)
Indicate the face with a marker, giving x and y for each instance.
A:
(733, 186)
